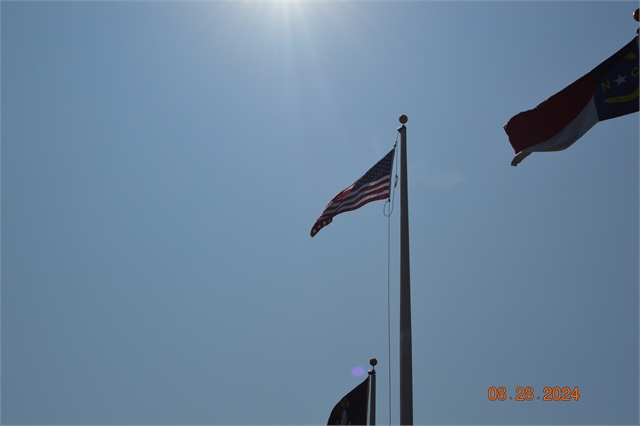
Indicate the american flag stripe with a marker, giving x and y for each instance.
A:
(378, 190)
(373, 186)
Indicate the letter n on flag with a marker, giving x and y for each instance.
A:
(353, 408)
(609, 90)
(374, 185)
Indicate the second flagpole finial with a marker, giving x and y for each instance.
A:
(403, 119)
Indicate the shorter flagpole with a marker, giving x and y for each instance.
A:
(372, 393)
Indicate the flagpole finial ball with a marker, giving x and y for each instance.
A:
(636, 15)
(403, 119)
(373, 362)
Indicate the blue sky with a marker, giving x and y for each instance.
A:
(163, 163)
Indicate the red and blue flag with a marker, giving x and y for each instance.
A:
(609, 90)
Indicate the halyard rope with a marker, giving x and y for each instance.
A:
(389, 204)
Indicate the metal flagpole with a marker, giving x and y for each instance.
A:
(406, 369)
(372, 385)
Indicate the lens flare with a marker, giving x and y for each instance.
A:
(358, 371)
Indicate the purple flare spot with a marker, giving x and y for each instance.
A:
(357, 371)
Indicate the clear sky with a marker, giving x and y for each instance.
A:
(163, 163)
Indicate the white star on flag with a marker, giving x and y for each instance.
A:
(620, 80)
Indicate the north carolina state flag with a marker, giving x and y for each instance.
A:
(609, 90)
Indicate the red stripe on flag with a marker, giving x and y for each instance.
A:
(542, 123)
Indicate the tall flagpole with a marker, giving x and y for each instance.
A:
(406, 369)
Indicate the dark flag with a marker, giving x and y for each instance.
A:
(352, 409)
(374, 185)
(609, 90)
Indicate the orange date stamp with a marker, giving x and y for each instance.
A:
(549, 393)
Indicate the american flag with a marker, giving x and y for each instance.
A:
(374, 185)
